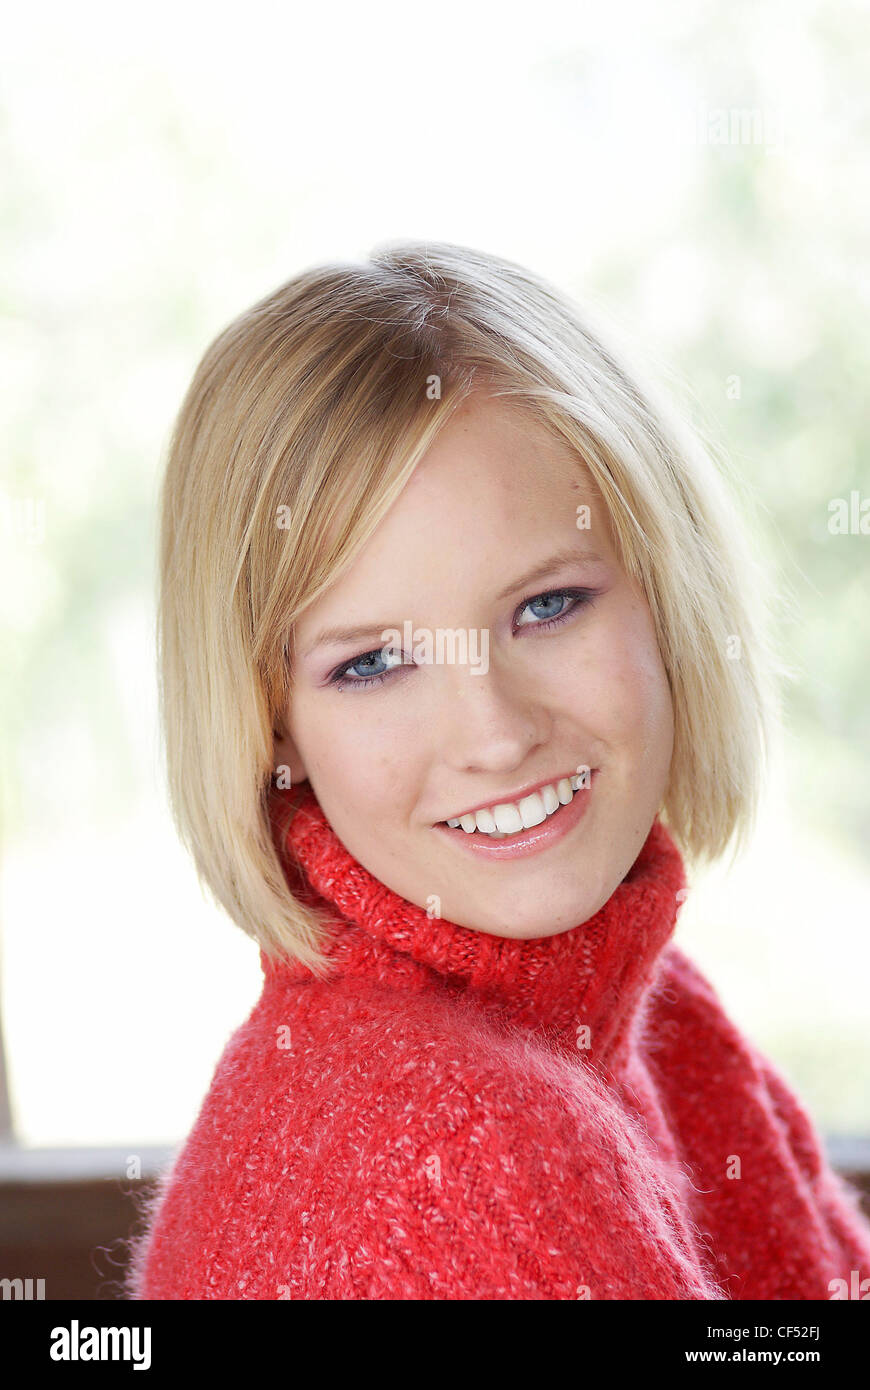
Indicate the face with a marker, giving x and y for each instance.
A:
(553, 668)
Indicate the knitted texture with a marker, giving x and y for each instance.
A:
(455, 1115)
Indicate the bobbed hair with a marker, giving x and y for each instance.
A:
(304, 420)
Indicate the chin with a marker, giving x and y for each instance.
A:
(541, 921)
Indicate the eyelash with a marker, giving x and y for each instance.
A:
(584, 599)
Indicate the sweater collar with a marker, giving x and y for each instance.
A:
(582, 988)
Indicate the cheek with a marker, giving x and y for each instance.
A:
(344, 747)
(622, 691)
(645, 704)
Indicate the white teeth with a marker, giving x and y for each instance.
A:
(508, 817)
(564, 790)
(532, 810)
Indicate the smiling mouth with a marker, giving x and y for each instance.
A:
(508, 820)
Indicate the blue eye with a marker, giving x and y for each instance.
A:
(560, 596)
(581, 598)
(368, 678)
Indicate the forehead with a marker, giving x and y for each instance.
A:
(494, 496)
(496, 458)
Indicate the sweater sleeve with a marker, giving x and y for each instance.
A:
(790, 1226)
(518, 1189)
(837, 1204)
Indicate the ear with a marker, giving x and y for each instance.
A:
(285, 755)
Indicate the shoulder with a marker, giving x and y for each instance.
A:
(425, 1064)
(409, 1154)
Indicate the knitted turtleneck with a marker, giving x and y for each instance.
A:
(453, 1114)
(592, 976)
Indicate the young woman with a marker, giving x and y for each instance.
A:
(460, 664)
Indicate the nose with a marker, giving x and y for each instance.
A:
(491, 721)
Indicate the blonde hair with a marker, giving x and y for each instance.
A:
(304, 420)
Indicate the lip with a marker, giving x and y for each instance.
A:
(512, 796)
(525, 842)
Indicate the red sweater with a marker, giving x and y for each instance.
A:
(454, 1115)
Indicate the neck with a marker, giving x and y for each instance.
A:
(581, 988)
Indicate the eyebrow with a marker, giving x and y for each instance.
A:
(333, 636)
